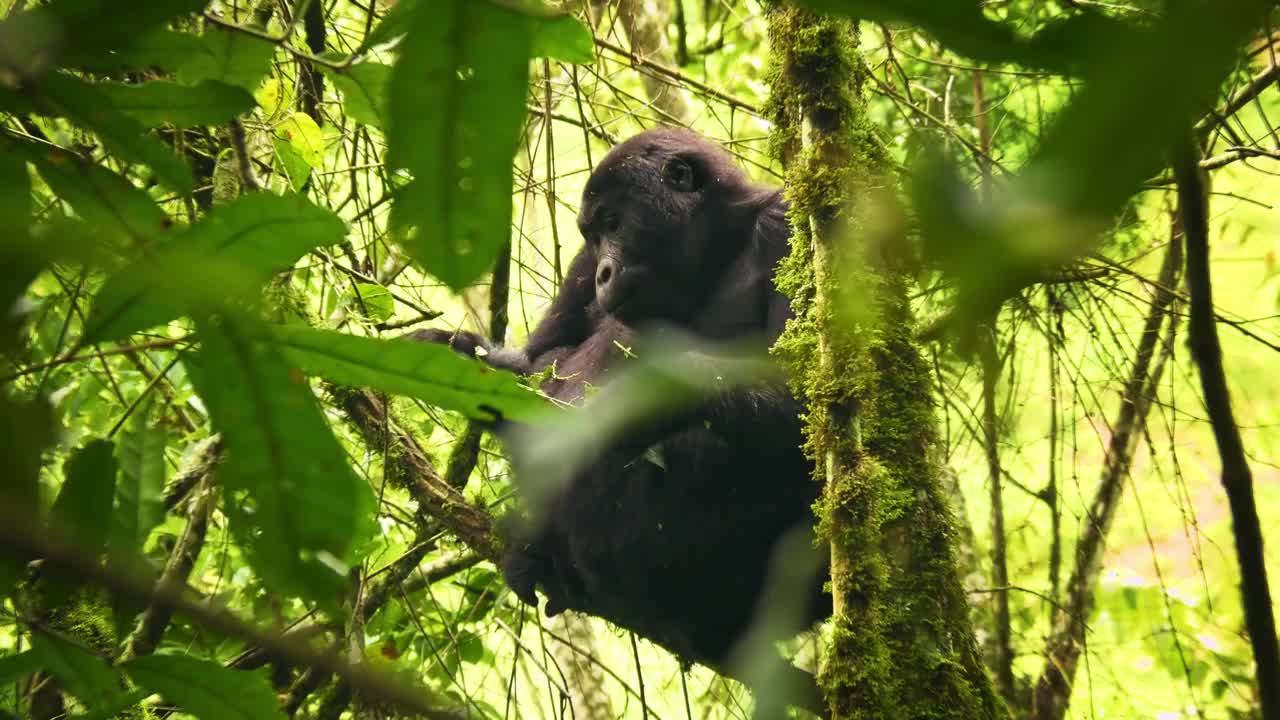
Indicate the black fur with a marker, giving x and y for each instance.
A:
(676, 235)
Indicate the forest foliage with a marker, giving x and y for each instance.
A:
(230, 489)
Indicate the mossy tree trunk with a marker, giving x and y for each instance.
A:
(901, 644)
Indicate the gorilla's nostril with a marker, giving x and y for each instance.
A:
(604, 274)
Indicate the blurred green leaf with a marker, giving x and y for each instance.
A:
(457, 106)
(13, 667)
(295, 505)
(86, 105)
(164, 50)
(364, 92)
(206, 689)
(80, 32)
(1141, 91)
(234, 58)
(17, 267)
(159, 102)
(431, 372)
(234, 249)
(25, 431)
(300, 143)
(393, 25)
(563, 37)
(82, 510)
(86, 676)
(966, 28)
(120, 214)
(138, 502)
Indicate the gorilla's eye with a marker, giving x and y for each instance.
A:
(679, 175)
(608, 220)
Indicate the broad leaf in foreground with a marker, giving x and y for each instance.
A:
(457, 106)
(433, 373)
(231, 253)
(160, 102)
(295, 504)
(206, 689)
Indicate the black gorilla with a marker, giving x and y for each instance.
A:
(676, 235)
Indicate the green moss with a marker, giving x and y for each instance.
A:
(900, 645)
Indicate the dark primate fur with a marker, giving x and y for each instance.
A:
(676, 235)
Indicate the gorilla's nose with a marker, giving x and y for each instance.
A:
(605, 271)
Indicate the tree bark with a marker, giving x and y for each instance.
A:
(901, 644)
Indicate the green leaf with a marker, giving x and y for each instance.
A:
(86, 676)
(13, 667)
(234, 58)
(230, 253)
(139, 506)
(295, 505)
(1141, 93)
(81, 32)
(300, 144)
(82, 509)
(160, 102)
(457, 105)
(163, 50)
(565, 38)
(364, 91)
(375, 302)
(393, 25)
(25, 431)
(86, 105)
(120, 214)
(17, 267)
(206, 689)
(428, 371)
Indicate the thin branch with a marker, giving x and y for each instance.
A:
(130, 580)
(1237, 478)
(1052, 691)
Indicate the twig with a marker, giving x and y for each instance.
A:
(130, 580)
(1052, 691)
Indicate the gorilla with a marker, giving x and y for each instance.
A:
(679, 549)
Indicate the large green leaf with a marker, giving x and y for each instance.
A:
(25, 431)
(13, 667)
(1141, 92)
(295, 505)
(231, 57)
(206, 689)
(81, 32)
(86, 676)
(164, 50)
(428, 371)
(229, 254)
(82, 510)
(120, 214)
(159, 102)
(457, 104)
(86, 105)
(966, 28)
(17, 267)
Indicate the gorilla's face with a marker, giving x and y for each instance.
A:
(652, 213)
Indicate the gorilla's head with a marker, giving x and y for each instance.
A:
(663, 213)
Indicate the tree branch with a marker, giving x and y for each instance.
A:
(1237, 479)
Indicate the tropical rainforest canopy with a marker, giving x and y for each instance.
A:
(230, 490)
